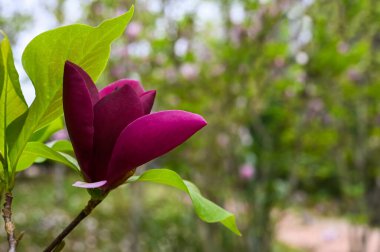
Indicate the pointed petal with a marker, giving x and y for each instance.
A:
(78, 108)
(87, 79)
(137, 87)
(147, 100)
(149, 137)
(111, 115)
(82, 184)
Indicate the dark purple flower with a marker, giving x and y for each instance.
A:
(112, 130)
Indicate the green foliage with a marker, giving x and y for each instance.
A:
(42, 135)
(12, 102)
(64, 146)
(205, 209)
(33, 150)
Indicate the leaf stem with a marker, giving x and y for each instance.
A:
(92, 203)
(9, 226)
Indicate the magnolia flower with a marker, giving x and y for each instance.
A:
(113, 131)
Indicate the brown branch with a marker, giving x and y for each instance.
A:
(9, 226)
(83, 214)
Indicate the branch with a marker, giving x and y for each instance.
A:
(9, 226)
(92, 203)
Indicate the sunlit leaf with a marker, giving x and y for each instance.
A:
(205, 209)
(42, 135)
(12, 102)
(64, 146)
(34, 150)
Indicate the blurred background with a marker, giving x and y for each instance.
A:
(291, 92)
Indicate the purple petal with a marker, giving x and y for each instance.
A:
(82, 184)
(111, 115)
(119, 84)
(136, 85)
(77, 105)
(89, 83)
(147, 100)
(149, 137)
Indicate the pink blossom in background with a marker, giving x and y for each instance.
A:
(133, 30)
(117, 71)
(189, 71)
(247, 172)
(61, 135)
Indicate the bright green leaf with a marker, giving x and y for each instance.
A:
(34, 150)
(42, 135)
(44, 58)
(12, 102)
(205, 209)
(64, 146)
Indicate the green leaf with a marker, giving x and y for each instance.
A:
(42, 135)
(12, 102)
(64, 146)
(205, 209)
(34, 150)
(44, 58)
(61, 145)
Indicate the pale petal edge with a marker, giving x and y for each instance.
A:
(82, 184)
